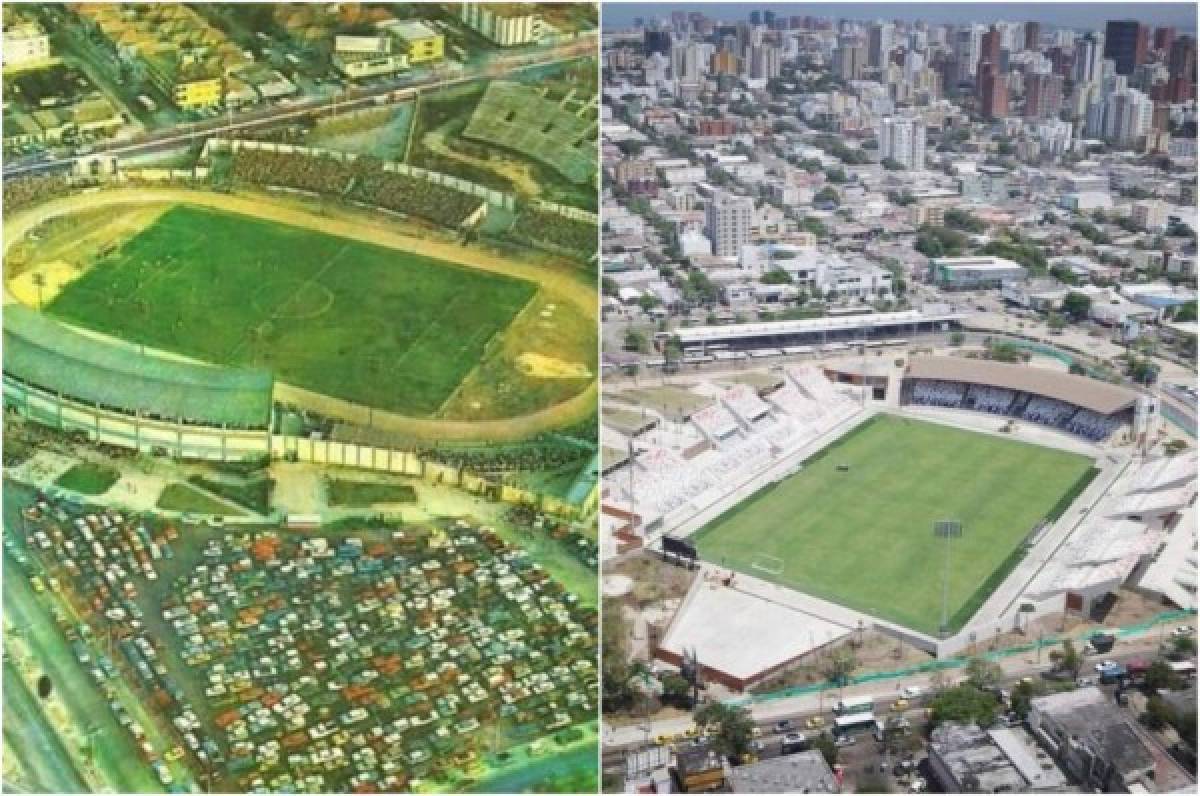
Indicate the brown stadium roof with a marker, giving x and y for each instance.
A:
(1087, 393)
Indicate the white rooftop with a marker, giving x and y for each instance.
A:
(742, 634)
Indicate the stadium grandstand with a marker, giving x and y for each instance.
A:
(731, 435)
(1142, 533)
(1080, 405)
(117, 394)
(775, 336)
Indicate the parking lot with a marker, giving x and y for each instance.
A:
(390, 658)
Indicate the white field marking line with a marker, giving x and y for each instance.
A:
(279, 307)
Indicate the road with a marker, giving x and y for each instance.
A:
(36, 645)
(797, 709)
(42, 757)
(315, 107)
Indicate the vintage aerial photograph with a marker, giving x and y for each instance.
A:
(898, 418)
(301, 468)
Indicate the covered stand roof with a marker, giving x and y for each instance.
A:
(52, 356)
(1086, 393)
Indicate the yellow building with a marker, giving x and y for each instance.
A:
(189, 85)
(418, 40)
(204, 92)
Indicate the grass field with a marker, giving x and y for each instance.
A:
(360, 494)
(864, 537)
(184, 497)
(359, 322)
(88, 479)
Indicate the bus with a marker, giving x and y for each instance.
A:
(847, 706)
(854, 723)
(1184, 669)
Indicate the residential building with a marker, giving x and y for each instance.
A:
(25, 43)
(1093, 739)
(902, 138)
(1125, 44)
(880, 42)
(1043, 96)
(728, 220)
(1150, 214)
(967, 759)
(993, 91)
(191, 84)
(803, 772)
(506, 24)
(418, 40)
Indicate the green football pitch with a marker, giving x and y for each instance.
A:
(855, 524)
(367, 324)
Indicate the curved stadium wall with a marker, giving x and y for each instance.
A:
(118, 395)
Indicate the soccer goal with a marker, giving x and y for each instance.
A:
(768, 564)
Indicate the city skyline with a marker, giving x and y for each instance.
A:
(1079, 16)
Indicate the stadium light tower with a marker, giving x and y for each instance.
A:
(946, 530)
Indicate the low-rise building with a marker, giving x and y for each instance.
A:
(190, 83)
(1093, 739)
(25, 42)
(974, 273)
(967, 759)
(419, 41)
(803, 772)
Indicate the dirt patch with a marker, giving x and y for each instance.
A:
(540, 366)
(38, 284)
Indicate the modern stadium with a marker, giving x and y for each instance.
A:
(934, 496)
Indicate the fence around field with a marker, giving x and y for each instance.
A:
(403, 462)
(961, 661)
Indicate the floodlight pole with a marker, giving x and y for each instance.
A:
(946, 530)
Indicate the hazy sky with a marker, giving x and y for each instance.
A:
(1069, 15)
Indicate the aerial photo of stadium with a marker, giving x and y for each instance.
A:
(759, 517)
(300, 379)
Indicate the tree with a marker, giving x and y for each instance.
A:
(648, 302)
(956, 338)
(965, 703)
(1071, 660)
(1056, 322)
(1022, 697)
(734, 727)
(1158, 713)
(1077, 305)
(1160, 676)
(841, 662)
(827, 194)
(891, 164)
(776, 276)
(676, 690)
(1002, 351)
(824, 744)
(872, 782)
(608, 286)
(635, 340)
(983, 673)
(963, 220)
(1183, 646)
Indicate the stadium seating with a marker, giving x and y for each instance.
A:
(938, 393)
(363, 180)
(1010, 403)
(990, 399)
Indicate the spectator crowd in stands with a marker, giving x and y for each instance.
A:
(362, 180)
